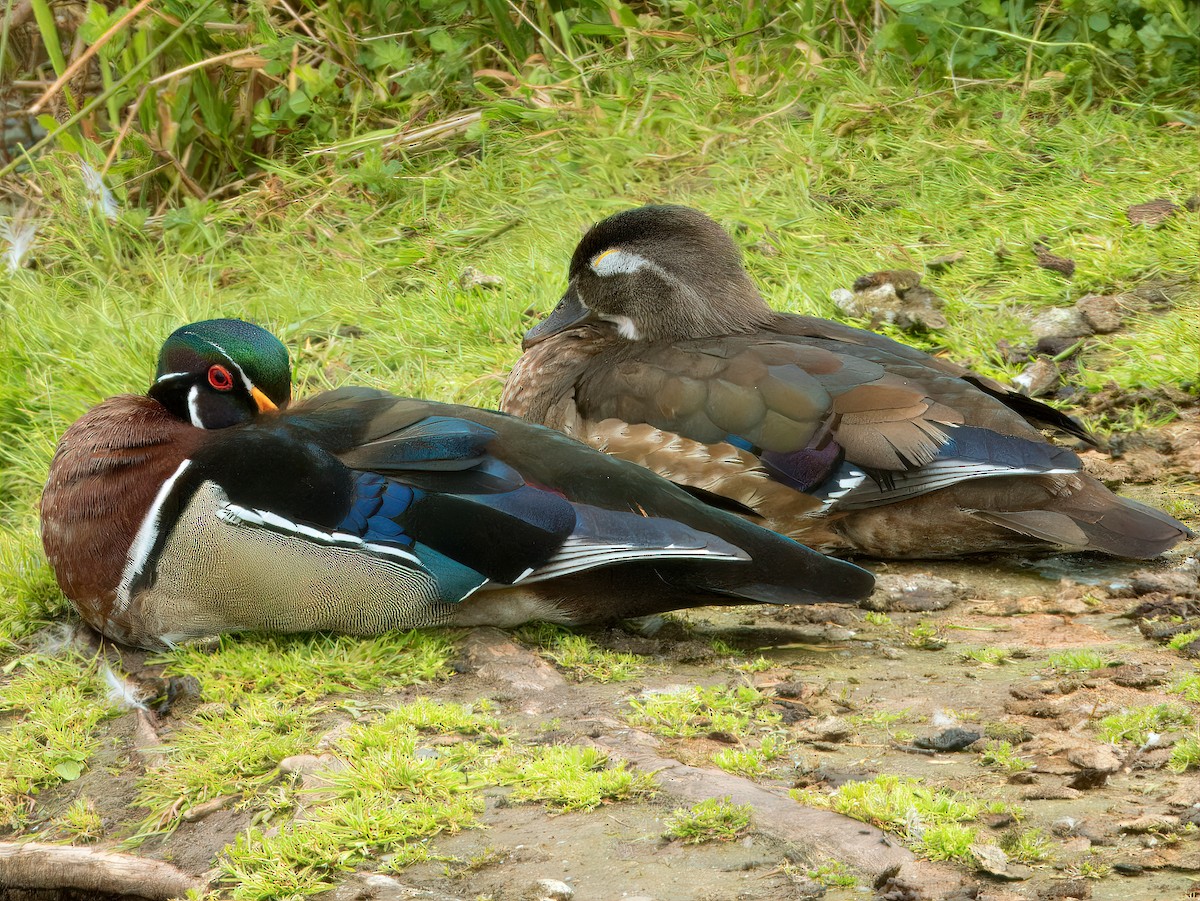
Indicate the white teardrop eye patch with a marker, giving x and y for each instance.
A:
(615, 261)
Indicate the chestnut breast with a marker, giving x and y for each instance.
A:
(106, 472)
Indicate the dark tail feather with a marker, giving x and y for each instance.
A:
(1095, 519)
(1036, 412)
(780, 571)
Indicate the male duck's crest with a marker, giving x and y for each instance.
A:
(662, 352)
(215, 505)
(220, 372)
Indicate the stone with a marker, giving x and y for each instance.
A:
(1059, 322)
(830, 728)
(1039, 378)
(1095, 757)
(992, 860)
(549, 890)
(471, 277)
(1102, 312)
(956, 739)
(913, 593)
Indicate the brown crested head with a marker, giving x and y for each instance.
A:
(658, 273)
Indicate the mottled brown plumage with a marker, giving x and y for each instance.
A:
(663, 353)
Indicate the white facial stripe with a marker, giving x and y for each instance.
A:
(619, 262)
(145, 539)
(194, 407)
(625, 327)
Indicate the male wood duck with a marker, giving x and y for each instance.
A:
(214, 504)
(663, 353)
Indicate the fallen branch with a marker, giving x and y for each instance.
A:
(38, 866)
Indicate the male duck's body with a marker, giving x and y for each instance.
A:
(206, 507)
(663, 353)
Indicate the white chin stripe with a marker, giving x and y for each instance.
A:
(618, 262)
(625, 327)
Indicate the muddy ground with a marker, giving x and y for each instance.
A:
(1117, 820)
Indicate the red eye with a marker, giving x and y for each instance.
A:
(219, 378)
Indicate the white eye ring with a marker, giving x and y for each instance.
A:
(618, 262)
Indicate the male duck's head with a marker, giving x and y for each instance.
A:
(657, 273)
(220, 372)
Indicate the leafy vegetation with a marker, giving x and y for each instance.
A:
(714, 819)
(1076, 661)
(582, 657)
(931, 819)
(1136, 724)
(697, 710)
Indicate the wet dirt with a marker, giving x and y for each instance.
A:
(961, 645)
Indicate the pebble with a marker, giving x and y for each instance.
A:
(473, 278)
(1059, 322)
(549, 890)
(830, 728)
(956, 739)
(1064, 826)
(1038, 378)
(1101, 311)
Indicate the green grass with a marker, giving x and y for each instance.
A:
(49, 712)
(714, 819)
(1135, 724)
(1002, 755)
(933, 820)
(1077, 661)
(567, 777)
(689, 712)
(581, 657)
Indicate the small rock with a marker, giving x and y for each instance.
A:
(950, 740)
(1048, 260)
(793, 690)
(830, 728)
(1127, 868)
(1095, 757)
(303, 764)
(473, 278)
(895, 296)
(1024, 777)
(1089, 779)
(1152, 213)
(945, 260)
(1173, 582)
(549, 890)
(1066, 888)
(1101, 311)
(915, 593)
(1059, 322)
(992, 860)
(1148, 823)
(1131, 675)
(1039, 378)
(1064, 826)
(1051, 793)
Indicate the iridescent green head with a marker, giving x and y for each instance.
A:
(221, 372)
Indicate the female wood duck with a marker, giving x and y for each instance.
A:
(214, 505)
(663, 353)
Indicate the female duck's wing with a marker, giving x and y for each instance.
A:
(722, 415)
